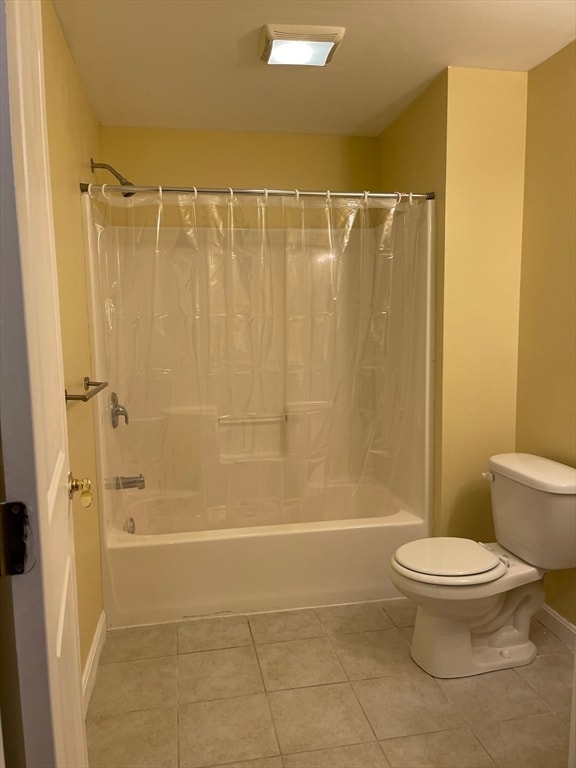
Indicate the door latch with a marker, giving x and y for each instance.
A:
(84, 486)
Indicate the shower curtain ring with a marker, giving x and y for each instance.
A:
(266, 196)
(398, 198)
(297, 193)
(410, 201)
(231, 194)
(366, 193)
(195, 194)
(328, 199)
(103, 190)
(160, 192)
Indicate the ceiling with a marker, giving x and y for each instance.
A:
(194, 63)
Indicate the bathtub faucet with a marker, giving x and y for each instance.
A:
(117, 410)
(118, 483)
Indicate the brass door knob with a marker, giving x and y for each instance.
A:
(84, 486)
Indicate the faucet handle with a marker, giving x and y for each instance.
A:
(117, 410)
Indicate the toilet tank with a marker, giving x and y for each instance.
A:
(534, 509)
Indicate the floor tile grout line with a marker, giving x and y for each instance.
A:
(276, 613)
(369, 677)
(381, 677)
(358, 631)
(219, 648)
(464, 727)
(534, 691)
(312, 685)
(388, 616)
(474, 728)
(327, 749)
(487, 749)
(331, 641)
(136, 660)
(365, 715)
(103, 715)
(265, 689)
(178, 756)
(209, 617)
(323, 749)
(274, 726)
(325, 630)
(178, 719)
(528, 717)
(320, 749)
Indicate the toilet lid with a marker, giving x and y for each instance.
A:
(447, 556)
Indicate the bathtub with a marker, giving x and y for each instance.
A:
(173, 576)
(183, 561)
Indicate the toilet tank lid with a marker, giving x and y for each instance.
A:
(535, 472)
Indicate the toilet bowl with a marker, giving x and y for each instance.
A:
(475, 601)
(473, 622)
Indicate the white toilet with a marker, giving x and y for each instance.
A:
(475, 601)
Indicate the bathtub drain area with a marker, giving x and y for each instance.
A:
(129, 525)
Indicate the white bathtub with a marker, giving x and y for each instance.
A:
(187, 561)
(167, 577)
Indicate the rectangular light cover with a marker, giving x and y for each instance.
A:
(292, 44)
(308, 53)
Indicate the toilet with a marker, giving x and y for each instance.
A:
(475, 601)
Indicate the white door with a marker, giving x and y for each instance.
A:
(33, 412)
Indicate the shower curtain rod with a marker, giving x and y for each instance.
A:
(129, 189)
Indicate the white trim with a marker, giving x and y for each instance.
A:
(572, 743)
(430, 367)
(556, 623)
(2, 758)
(91, 666)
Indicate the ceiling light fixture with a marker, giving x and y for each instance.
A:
(299, 45)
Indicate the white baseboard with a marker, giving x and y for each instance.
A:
(557, 624)
(89, 674)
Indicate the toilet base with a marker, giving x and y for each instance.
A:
(447, 648)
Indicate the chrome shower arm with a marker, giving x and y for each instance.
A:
(122, 179)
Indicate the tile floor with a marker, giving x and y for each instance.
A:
(332, 687)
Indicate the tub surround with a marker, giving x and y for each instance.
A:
(279, 405)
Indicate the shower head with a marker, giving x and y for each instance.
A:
(122, 179)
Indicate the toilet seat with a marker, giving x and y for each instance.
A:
(449, 561)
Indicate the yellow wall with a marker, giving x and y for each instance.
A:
(484, 199)
(173, 157)
(546, 415)
(74, 135)
(412, 157)
(464, 139)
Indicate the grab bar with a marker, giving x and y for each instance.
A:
(251, 417)
(98, 387)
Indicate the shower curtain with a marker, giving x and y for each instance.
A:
(268, 350)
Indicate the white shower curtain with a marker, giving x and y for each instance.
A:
(268, 349)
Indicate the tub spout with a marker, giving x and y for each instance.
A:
(119, 483)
